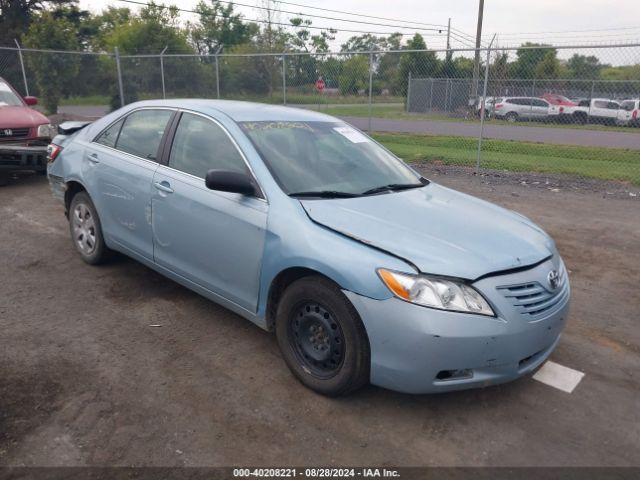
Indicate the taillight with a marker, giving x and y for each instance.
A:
(634, 115)
(53, 151)
(498, 105)
(561, 109)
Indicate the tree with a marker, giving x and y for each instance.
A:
(548, 67)
(53, 71)
(419, 64)
(149, 31)
(528, 58)
(16, 16)
(304, 69)
(355, 75)
(584, 67)
(219, 26)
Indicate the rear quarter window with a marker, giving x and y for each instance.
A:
(109, 137)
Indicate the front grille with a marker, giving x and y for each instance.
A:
(533, 299)
(9, 133)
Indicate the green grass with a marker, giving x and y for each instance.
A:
(602, 163)
(87, 100)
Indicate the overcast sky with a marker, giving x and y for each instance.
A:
(515, 21)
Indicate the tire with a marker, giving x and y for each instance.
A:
(86, 230)
(580, 119)
(334, 364)
(511, 117)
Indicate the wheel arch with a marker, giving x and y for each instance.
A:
(73, 187)
(279, 284)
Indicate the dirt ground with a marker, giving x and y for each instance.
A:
(85, 379)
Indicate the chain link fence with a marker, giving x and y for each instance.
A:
(556, 110)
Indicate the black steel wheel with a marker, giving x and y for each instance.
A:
(322, 338)
(316, 339)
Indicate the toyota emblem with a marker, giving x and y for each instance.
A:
(554, 279)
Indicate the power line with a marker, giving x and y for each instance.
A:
(276, 23)
(572, 31)
(362, 15)
(440, 30)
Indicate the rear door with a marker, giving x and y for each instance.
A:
(599, 109)
(540, 108)
(121, 161)
(214, 239)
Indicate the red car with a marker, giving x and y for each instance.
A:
(555, 99)
(24, 133)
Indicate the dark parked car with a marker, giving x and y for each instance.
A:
(24, 133)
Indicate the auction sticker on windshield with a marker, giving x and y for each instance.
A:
(352, 134)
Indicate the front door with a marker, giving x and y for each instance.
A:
(212, 238)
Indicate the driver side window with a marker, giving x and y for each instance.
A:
(200, 145)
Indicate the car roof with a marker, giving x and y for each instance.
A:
(240, 111)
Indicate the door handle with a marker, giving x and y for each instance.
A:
(163, 186)
(93, 157)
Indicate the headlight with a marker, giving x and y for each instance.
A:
(436, 292)
(46, 131)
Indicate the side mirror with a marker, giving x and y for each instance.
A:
(29, 100)
(229, 181)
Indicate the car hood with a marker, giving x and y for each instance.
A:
(14, 116)
(437, 229)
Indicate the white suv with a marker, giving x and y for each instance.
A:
(516, 108)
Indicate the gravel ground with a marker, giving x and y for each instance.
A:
(85, 379)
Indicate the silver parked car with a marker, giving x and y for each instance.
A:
(515, 108)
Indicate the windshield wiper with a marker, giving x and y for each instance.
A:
(393, 187)
(324, 194)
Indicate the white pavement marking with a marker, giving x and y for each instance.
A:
(558, 376)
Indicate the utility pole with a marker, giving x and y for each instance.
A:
(448, 39)
(476, 61)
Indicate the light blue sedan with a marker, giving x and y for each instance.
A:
(365, 270)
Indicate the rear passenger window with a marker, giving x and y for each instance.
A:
(600, 104)
(110, 135)
(201, 145)
(142, 132)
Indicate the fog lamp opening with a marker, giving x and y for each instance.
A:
(454, 374)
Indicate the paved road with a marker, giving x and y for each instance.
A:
(558, 136)
(85, 379)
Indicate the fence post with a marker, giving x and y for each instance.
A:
(24, 74)
(217, 73)
(446, 95)
(284, 78)
(408, 92)
(117, 55)
(482, 109)
(370, 87)
(164, 95)
(533, 94)
(431, 96)
(593, 85)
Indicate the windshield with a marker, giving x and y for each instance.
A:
(307, 157)
(8, 97)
